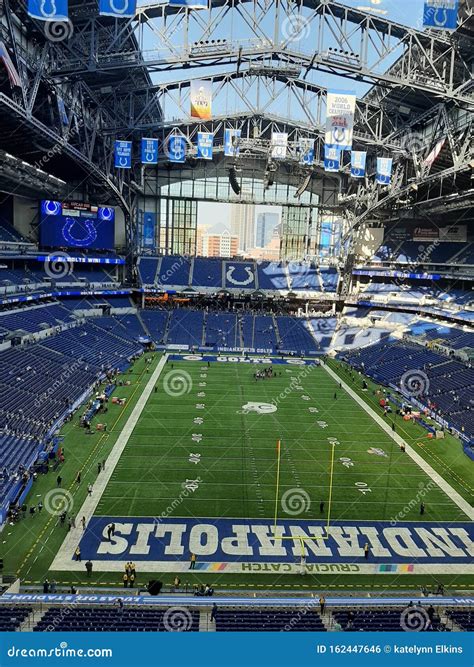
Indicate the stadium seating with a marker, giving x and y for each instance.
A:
(450, 382)
(464, 618)
(236, 274)
(207, 272)
(156, 324)
(272, 276)
(375, 620)
(222, 330)
(295, 335)
(269, 620)
(105, 619)
(12, 617)
(186, 328)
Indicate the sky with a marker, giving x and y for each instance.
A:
(231, 26)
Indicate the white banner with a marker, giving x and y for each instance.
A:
(279, 145)
(340, 107)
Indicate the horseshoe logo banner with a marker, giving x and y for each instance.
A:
(340, 107)
(119, 8)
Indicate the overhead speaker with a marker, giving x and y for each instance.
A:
(234, 183)
(303, 185)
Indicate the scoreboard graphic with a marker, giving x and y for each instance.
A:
(76, 225)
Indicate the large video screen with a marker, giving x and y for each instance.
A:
(76, 225)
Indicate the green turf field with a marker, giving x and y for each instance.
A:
(237, 463)
(229, 457)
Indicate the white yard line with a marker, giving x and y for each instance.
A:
(74, 536)
(419, 460)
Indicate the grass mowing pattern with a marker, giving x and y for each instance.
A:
(238, 451)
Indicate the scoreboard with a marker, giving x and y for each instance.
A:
(72, 224)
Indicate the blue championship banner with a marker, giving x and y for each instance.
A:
(205, 144)
(48, 10)
(176, 149)
(231, 142)
(123, 154)
(120, 9)
(441, 14)
(149, 151)
(332, 158)
(384, 170)
(358, 159)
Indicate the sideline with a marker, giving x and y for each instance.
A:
(419, 460)
(63, 558)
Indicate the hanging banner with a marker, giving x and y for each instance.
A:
(340, 107)
(306, 151)
(441, 14)
(205, 145)
(121, 9)
(123, 154)
(48, 10)
(190, 4)
(62, 111)
(384, 170)
(231, 142)
(201, 99)
(279, 145)
(332, 158)
(149, 151)
(149, 222)
(358, 159)
(176, 149)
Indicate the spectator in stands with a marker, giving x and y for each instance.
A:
(322, 603)
(214, 613)
(46, 586)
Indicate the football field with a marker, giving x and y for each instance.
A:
(282, 476)
(215, 430)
